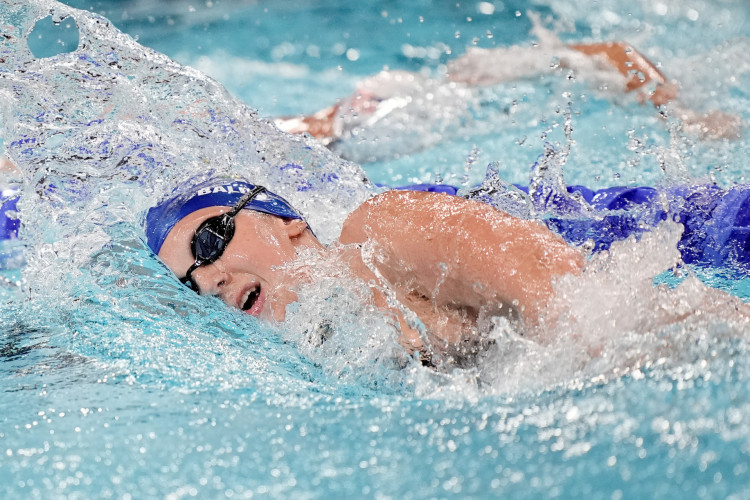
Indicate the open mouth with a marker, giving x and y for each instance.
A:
(251, 297)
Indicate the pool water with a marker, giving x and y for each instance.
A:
(117, 382)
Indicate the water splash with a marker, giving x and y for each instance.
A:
(117, 113)
(99, 133)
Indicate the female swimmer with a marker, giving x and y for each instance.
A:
(430, 251)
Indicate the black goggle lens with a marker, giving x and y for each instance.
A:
(212, 238)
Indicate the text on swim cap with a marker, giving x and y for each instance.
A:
(229, 189)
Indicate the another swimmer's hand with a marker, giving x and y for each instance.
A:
(664, 93)
(711, 125)
(7, 166)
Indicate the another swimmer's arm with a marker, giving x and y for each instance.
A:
(318, 125)
(492, 66)
(633, 65)
(461, 253)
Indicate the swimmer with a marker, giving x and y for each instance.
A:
(609, 65)
(446, 259)
(251, 249)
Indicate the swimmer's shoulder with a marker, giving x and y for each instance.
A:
(387, 211)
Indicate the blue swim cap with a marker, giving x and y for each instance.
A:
(217, 192)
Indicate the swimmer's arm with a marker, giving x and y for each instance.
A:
(461, 253)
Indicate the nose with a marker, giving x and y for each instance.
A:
(212, 279)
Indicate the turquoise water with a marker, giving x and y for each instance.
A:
(118, 382)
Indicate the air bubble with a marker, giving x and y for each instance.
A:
(52, 36)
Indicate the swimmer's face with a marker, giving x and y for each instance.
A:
(254, 272)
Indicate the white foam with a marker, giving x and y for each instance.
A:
(612, 320)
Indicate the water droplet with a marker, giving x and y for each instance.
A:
(486, 8)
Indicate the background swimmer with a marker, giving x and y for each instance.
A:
(610, 65)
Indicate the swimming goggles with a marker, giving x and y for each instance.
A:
(212, 237)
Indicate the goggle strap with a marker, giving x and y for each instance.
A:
(247, 198)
